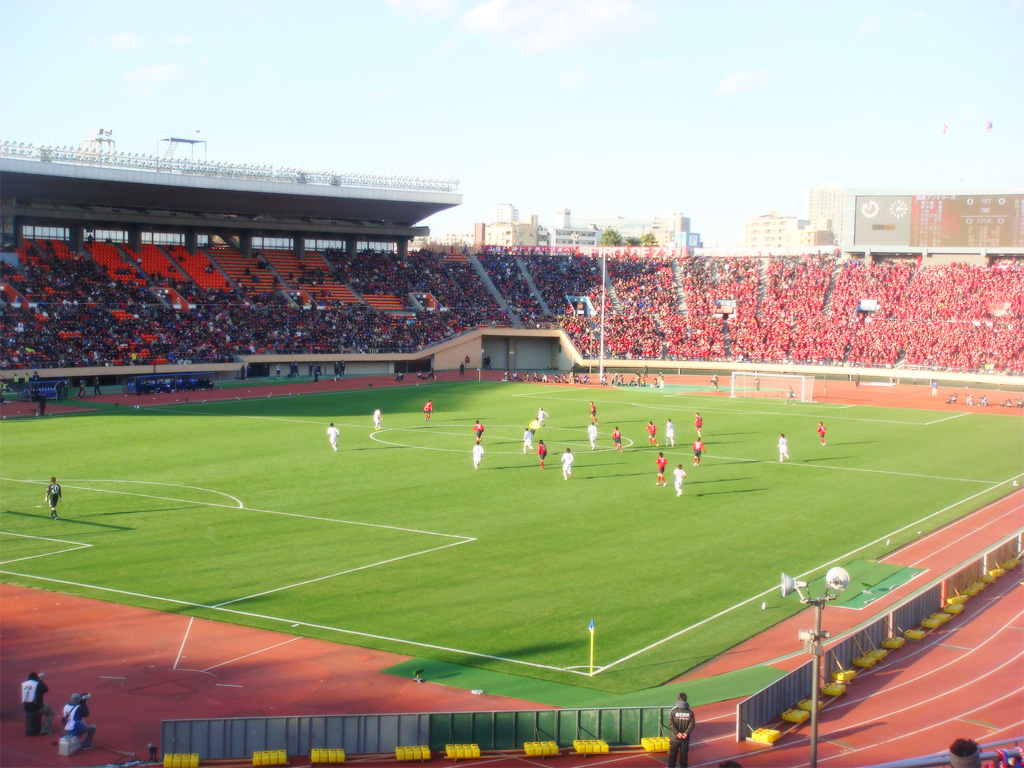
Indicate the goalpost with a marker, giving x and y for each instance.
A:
(748, 384)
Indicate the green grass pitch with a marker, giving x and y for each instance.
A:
(240, 511)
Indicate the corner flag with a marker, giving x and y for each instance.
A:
(591, 629)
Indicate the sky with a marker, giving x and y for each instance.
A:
(720, 110)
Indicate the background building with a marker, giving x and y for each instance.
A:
(825, 209)
(503, 213)
(775, 231)
(513, 234)
(664, 228)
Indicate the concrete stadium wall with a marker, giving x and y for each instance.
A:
(543, 349)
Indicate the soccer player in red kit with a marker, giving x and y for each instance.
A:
(698, 448)
(651, 432)
(617, 439)
(821, 432)
(542, 452)
(593, 413)
(661, 461)
(698, 422)
(428, 409)
(479, 429)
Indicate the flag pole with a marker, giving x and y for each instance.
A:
(942, 151)
(984, 155)
(591, 628)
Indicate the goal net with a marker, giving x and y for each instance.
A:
(746, 384)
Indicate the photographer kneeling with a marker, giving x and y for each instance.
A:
(75, 712)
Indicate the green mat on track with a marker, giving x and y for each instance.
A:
(708, 690)
(869, 581)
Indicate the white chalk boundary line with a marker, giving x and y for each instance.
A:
(220, 607)
(77, 545)
(804, 465)
(837, 560)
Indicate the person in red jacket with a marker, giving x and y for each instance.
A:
(698, 449)
(428, 409)
(651, 432)
(661, 461)
(479, 429)
(821, 433)
(542, 452)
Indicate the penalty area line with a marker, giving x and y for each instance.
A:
(293, 622)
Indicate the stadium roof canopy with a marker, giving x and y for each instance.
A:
(208, 197)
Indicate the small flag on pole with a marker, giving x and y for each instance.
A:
(945, 129)
(591, 628)
(988, 126)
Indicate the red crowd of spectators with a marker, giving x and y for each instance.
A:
(807, 309)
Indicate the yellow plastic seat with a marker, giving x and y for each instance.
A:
(844, 676)
(915, 634)
(833, 689)
(765, 736)
(893, 643)
(796, 715)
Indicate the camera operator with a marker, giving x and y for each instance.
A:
(32, 692)
(75, 712)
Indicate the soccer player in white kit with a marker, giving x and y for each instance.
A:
(783, 448)
(541, 415)
(478, 454)
(592, 434)
(527, 440)
(376, 420)
(670, 434)
(332, 435)
(567, 460)
(679, 474)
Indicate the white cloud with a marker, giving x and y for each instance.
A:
(575, 76)
(654, 65)
(424, 8)
(123, 41)
(536, 25)
(183, 40)
(146, 80)
(743, 80)
(914, 16)
(870, 25)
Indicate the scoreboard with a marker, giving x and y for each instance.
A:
(977, 220)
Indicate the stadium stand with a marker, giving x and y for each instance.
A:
(806, 309)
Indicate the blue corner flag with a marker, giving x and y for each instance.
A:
(591, 627)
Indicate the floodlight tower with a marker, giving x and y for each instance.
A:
(837, 579)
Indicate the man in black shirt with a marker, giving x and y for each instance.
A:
(680, 725)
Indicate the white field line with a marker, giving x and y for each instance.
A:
(78, 545)
(840, 559)
(805, 465)
(184, 640)
(947, 418)
(242, 508)
(345, 572)
(246, 656)
(285, 620)
(238, 504)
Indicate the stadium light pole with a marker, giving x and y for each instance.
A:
(837, 579)
(604, 280)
